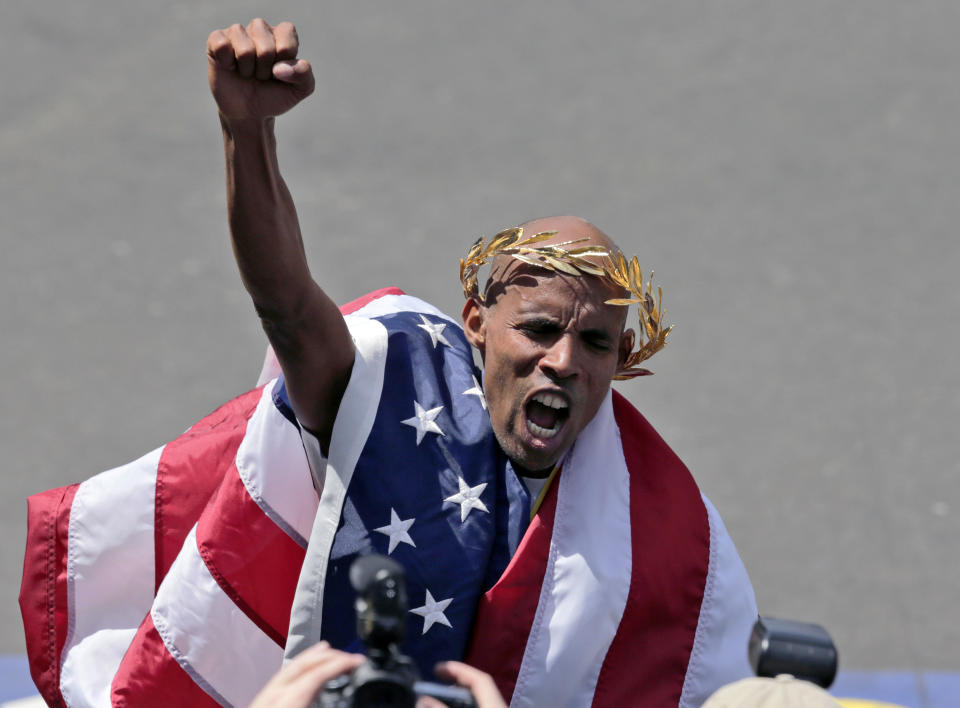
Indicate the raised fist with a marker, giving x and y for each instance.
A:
(254, 71)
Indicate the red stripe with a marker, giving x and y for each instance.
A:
(252, 559)
(43, 591)
(670, 534)
(505, 613)
(190, 469)
(149, 676)
(355, 305)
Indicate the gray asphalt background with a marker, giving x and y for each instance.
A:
(789, 169)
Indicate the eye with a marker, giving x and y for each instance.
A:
(598, 342)
(539, 328)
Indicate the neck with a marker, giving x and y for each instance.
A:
(535, 474)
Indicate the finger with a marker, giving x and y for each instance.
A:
(293, 71)
(220, 51)
(297, 74)
(286, 39)
(430, 702)
(243, 49)
(318, 657)
(266, 51)
(336, 663)
(481, 684)
(307, 684)
(305, 661)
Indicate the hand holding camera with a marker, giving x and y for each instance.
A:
(295, 685)
(325, 677)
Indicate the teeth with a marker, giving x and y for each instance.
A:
(552, 400)
(541, 432)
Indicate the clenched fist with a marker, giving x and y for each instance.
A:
(254, 71)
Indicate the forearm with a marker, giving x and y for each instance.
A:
(264, 229)
(303, 324)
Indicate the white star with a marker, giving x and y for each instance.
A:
(423, 421)
(478, 392)
(397, 531)
(468, 498)
(435, 330)
(432, 612)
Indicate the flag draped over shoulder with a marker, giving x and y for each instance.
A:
(626, 588)
(184, 577)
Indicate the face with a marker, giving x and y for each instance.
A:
(550, 347)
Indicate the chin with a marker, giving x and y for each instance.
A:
(532, 462)
(526, 456)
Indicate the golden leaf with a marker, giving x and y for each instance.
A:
(636, 276)
(613, 273)
(504, 239)
(475, 249)
(651, 333)
(536, 238)
(583, 251)
(532, 261)
(648, 303)
(560, 265)
(560, 257)
(586, 266)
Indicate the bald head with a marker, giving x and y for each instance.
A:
(570, 228)
(505, 268)
(550, 346)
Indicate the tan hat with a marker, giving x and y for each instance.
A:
(784, 691)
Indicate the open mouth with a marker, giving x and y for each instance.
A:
(546, 414)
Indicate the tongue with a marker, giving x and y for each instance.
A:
(544, 416)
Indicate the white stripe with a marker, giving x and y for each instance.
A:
(209, 636)
(272, 464)
(587, 579)
(358, 409)
(111, 527)
(727, 614)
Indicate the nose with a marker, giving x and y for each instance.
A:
(560, 360)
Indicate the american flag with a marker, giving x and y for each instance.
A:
(182, 578)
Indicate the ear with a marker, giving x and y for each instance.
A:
(626, 347)
(474, 318)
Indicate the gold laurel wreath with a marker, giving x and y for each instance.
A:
(573, 261)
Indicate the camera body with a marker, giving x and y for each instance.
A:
(388, 678)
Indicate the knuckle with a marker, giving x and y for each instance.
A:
(285, 35)
(217, 41)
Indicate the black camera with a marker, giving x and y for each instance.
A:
(387, 679)
(800, 649)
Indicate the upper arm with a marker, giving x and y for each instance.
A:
(316, 353)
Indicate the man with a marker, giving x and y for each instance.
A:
(621, 586)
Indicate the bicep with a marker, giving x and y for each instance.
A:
(316, 353)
